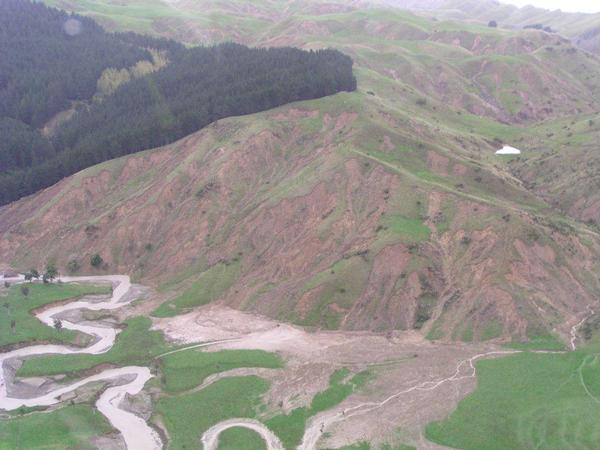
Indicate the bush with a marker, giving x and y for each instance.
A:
(96, 261)
(24, 290)
(73, 265)
(51, 272)
(493, 24)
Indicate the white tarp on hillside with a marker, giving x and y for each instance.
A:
(507, 150)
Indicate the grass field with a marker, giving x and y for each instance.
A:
(136, 345)
(239, 438)
(187, 416)
(528, 400)
(290, 427)
(16, 309)
(71, 427)
(185, 370)
(412, 230)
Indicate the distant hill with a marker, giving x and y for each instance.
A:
(583, 29)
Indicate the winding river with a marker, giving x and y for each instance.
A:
(130, 380)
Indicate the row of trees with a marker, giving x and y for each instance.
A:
(46, 68)
(48, 276)
(51, 272)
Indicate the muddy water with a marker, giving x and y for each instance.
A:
(136, 432)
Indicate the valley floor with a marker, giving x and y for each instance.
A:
(414, 381)
(213, 374)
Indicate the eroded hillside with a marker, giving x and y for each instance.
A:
(328, 214)
(381, 209)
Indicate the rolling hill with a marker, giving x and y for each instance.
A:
(583, 29)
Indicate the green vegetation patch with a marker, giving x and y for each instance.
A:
(411, 230)
(136, 345)
(425, 305)
(186, 370)
(210, 286)
(542, 342)
(18, 325)
(72, 427)
(528, 400)
(340, 285)
(239, 438)
(188, 416)
(290, 428)
(367, 446)
(491, 330)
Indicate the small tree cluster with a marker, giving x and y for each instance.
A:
(51, 273)
(96, 261)
(32, 274)
(73, 265)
